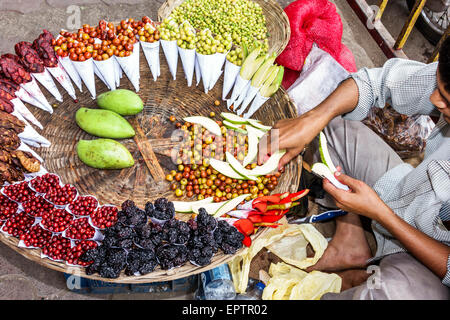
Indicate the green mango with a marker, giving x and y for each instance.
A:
(104, 123)
(104, 154)
(124, 102)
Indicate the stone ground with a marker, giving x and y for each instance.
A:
(24, 19)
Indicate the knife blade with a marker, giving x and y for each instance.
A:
(324, 216)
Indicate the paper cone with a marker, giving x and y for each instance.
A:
(23, 95)
(63, 78)
(118, 72)
(22, 109)
(241, 97)
(46, 80)
(250, 94)
(86, 71)
(256, 104)
(219, 60)
(188, 61)
(239, 85)
(198, 72)
(229, 77)
(26, 148)
(130, 66)
(100, 76)
(171, 54)
(107, 70)
(205, 61)
(71, 71)
(29, 135)
(33, 89)
(151, 53)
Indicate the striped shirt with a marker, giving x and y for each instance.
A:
(421, 195)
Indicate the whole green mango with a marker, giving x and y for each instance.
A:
(104, 154)
(124, 102)
(104, 123)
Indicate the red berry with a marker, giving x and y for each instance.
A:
(7, 207)
(78, 250)
(37, 206)
(36, 237)
(19, 192)
(61, 196)
(56, 220)
(80, 229)
(83, 206)
(105, 216)
(43, 183)
(18, 224)
(57, 248)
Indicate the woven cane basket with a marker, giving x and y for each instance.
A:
(162, 98)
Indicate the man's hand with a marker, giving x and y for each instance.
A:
(361, 198)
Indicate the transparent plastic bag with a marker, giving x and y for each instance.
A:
(405, 134)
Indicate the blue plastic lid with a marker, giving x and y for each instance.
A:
(260, 285)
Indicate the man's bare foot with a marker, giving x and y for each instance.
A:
(348, 249)
(352, 278)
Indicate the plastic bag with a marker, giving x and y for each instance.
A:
(405, 134)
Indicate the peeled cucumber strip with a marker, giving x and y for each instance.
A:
(236, 165)
(225, 169)
(258, 125)
(259, 133)
(323, 171)
(263, 71)
(324, 154)
(208, 123)
(211, 208)
(270, 165)
(186, 206)
(233, 126)
(230, 205)
(253, 139)
(231, 117)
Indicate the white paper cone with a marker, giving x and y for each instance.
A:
(151, 53)
(118, 72)
(63, 78)
(24, 147)
(71, 71)
(219, 60)
(188, 61)
(33, 89)
(100, 76)
(205, 61)
(198, 72)
(229, 77)
(171, 54)
(107, 70)
(256, 104)
(239, 85)
(251, 93)
(241, 97)
(46, 80)
(130, 66)
(29, 135)
(86, 71)
(22, 109)
(23, 95)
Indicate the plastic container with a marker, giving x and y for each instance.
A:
(217, 284)
(254, 294)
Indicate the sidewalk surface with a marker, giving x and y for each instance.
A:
(23, 20)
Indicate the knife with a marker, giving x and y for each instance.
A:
(324, 216)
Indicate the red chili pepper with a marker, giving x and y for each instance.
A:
(272, 212)
(268, 224)
(245, 226)
(272, 198)
(247, 241)
(262, 206)
(255, 218)
(271, 218)
(282, 206)
(295, 196)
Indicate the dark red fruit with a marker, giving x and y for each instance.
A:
(80, 229)
(19, 192)
(7, 207)
(61, 196)
(56, 220)
(78, 250)
(105, 217)
(18, 224)
(83, 206)
(36, 237)
(37, 206)
(43, 183)
(57, 248)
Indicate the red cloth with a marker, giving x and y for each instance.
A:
(313, 22)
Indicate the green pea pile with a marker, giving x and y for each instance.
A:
(186, 37)
(243, 20)
(209, 44)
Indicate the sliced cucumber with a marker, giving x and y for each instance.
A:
(253, 139)
(186, 206)
(230, 205)
(234, 127)
(231, 117)
(270, 165)
(236, 165)
(258, 125)
(225, 169)
(211, 208)
(259, 133)
(324, 154)
(208, 123)
(323, 171)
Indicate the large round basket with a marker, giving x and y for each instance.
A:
(151, 150)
